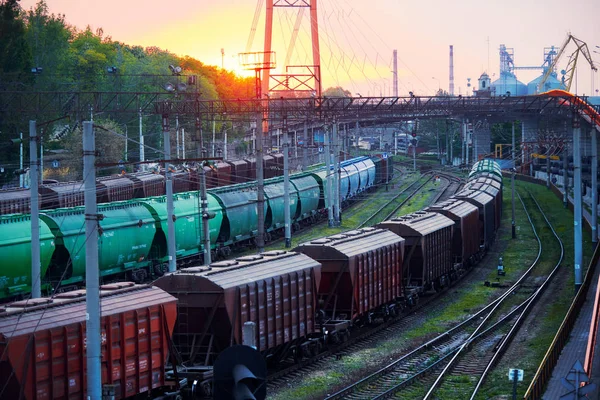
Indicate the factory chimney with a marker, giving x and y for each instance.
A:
(451, 70)
(395, 71)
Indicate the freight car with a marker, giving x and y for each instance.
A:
(133, 234)
(428, 259)
(42, 343)
(301, 301)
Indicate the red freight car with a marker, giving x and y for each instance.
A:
(42, 343)
(361, 273)
(494, 189)
(428, 247)
(15, 201)
(223, 173)
(251, 169)
(147, 184)
(114, 188)
(239, 171)
(485, 203)
(466, 233)
(276, 290)
(60, 195)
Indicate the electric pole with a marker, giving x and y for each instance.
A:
(286, 188)
(92, 274)
(577, 200)
(594, 134)
(142, 148)
(260, 182)
(205, 216)
(36, 279)
(171, 247)
(513, 222)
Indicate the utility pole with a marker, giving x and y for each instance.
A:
(224, 144)
(566, 174)
(548, 168)
(199, 144)
(183, 143)
(260, 182)
(21, 176)
(286, 187)
(177, 136)
(142, 148)
(205, 216)
(462, 142)
(92, 274)
(305, 147)
(171, 248)
(36, 278)
(213, 138)
(329, 195)
(577, 200)
(594, 224)
(513, 222)
(336, 172)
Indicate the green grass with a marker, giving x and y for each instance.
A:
(528, 353)
(518, 254)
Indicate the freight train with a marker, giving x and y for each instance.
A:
(127, 186)
(133, 233)
(300, 302)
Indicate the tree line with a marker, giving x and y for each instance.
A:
(41, 51)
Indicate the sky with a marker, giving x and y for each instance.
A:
(357, 37)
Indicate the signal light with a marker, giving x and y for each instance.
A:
(414, 134)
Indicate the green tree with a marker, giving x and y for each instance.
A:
(15, 55)
(337, 91)
(49, 37)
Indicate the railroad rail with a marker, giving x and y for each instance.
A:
(445, 348)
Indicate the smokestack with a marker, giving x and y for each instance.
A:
(451, 70)
(395, 73)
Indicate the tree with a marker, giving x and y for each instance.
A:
(15, 55)
(337, 91)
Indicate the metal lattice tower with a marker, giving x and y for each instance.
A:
(297, 78)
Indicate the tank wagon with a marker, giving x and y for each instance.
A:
(133, 233)
(42, 343)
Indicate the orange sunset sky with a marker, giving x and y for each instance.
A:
(357, 36)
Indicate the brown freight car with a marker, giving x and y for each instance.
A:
(465, 236)
(361, 274)
(114, 188)
(276, 290)
(60, 195)
(147, 184)
(428, 260)
(42, 343)
(485, 203)
(494, 189)
(239, 171)
(15, 201)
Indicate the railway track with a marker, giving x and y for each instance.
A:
(471, 348)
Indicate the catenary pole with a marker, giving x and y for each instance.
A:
(21, 176)
(260, 183)
(92, 274)
(566, 175)
(328, 177)
(171, 247)
(513, 222)
(577, 201)
(142, 147)
(36, 288)
(594, 134)
(286, 188)
(335, 172)
(205, 216)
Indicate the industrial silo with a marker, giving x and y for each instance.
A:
(508, 84)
